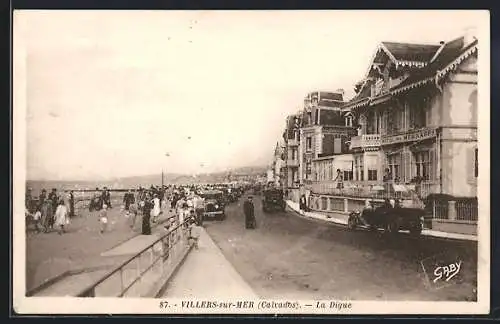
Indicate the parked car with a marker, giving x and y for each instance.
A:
(273, 200)
(214, 205)
(388, 218)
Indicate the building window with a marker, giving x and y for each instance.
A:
(417, 114)
(358, 166)
(348, 175)
(308, 169)
(372, 175)
(476, 165)
(308, 143)
(394, 165)
(422, 165)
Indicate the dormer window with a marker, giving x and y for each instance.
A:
(348, 121)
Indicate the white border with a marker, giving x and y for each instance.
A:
(65, 305)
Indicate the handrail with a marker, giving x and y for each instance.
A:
(86, 291)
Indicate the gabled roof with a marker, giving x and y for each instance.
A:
(407, 52)
(450, 53)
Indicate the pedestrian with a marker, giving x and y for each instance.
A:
(156, 208)
(46, 209)
(128, 199)
(146, 215)
(199, 209)
(37, 217)
(103, 218)
(248, 210)
(61, 217)
(134, 210)
(303, 203)
(54, 199)
(29, 200)
(71, 204)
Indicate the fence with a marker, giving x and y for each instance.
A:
(459, 210)
(156, 261)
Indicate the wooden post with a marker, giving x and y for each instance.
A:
(346, 203)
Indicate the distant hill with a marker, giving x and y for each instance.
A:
(146, 180)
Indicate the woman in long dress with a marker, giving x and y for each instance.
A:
(156, 208)
(146, 215)
(61, 216)
(46, 209)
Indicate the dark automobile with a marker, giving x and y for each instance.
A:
(214, 205)
(390, 219)
(273, 200)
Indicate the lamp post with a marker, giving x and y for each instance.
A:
(162, 173)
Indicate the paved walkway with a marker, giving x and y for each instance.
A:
(108, 255)
(207, 274)
(339, 218)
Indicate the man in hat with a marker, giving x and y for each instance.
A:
(248, 210)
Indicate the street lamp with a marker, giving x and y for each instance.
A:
(166, 155)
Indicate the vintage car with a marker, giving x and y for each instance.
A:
(391, 219)
(273, 200)
(213, 205)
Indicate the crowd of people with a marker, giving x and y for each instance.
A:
(52, 211)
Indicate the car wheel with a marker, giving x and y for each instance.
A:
(416, 230)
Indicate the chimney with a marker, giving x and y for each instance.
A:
(442, 43)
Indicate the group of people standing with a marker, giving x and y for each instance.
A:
(51, 211)
(144, 202)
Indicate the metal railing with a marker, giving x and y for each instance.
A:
(147, 266)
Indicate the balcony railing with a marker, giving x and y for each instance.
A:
(365, 141)
(292, 163)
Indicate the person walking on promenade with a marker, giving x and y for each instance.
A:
(71, 204)
(54, 199)
(146, 215)
(248, 210)
(103, 218)
(28, 201)
(106, 197)
(156, 208)
(128, 199)
(46, 209)
(199, 209)
(61, 217)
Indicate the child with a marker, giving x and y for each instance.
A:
(61, 217)
(37, 217)
(103, 218)
(194, 233)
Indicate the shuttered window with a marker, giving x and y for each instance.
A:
(423, 165)
(476, 164)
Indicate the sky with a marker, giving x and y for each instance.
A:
(123, 93)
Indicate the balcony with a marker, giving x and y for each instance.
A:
(365, 141)
(410, 136)
(292, 163)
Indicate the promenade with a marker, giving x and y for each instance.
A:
(206, 273)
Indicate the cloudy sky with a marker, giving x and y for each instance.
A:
(112, 93)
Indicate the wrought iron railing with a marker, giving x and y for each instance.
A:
(147, 266)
